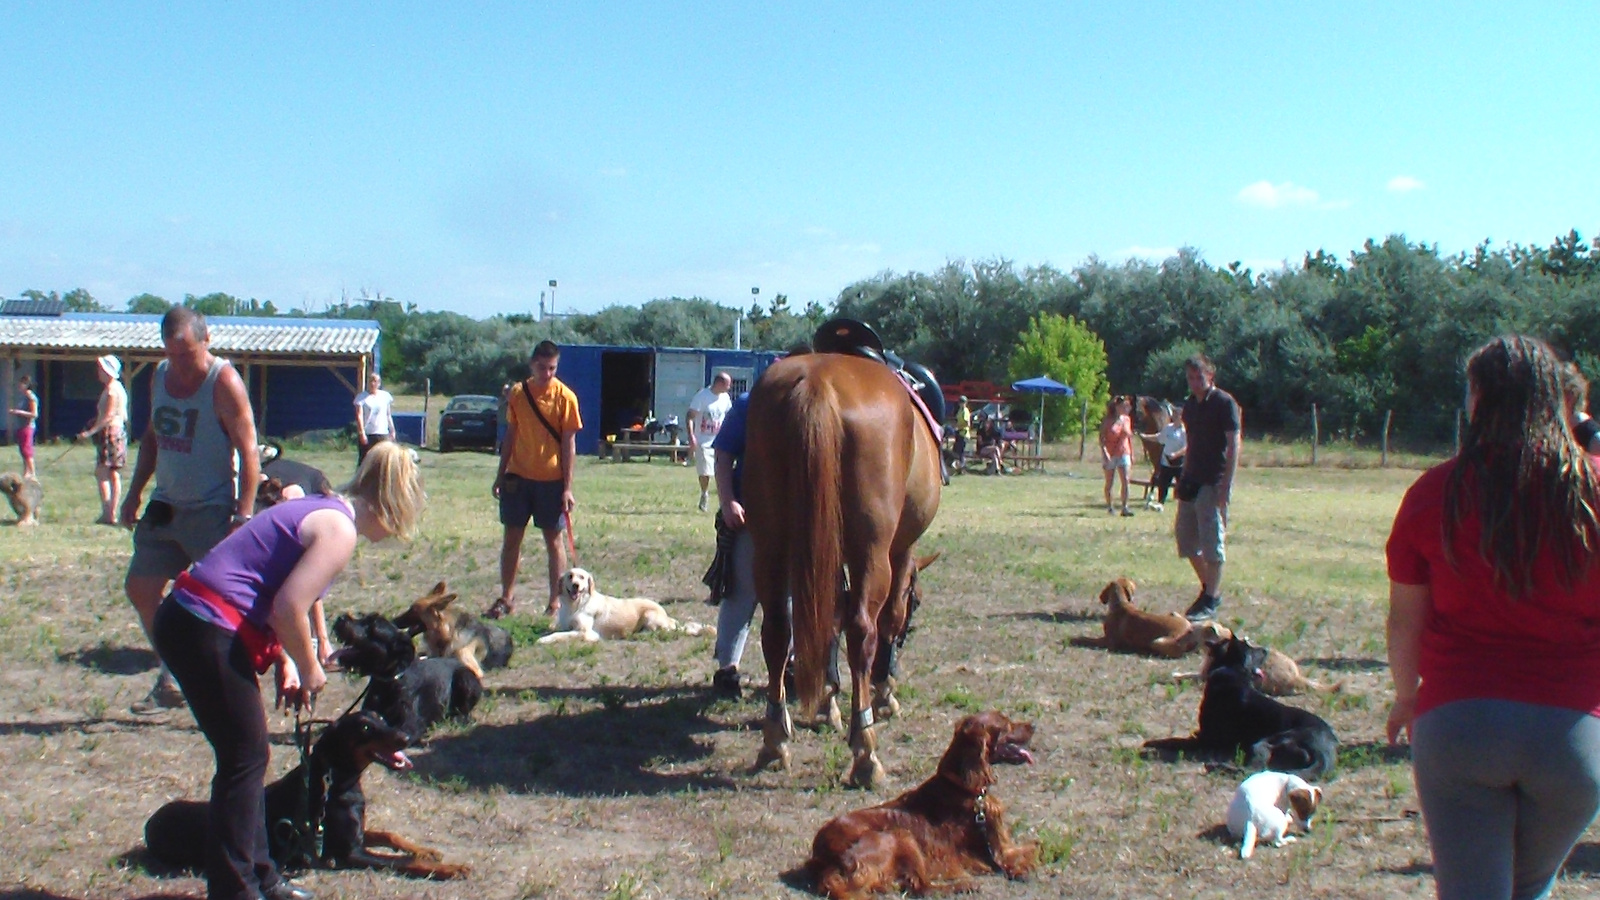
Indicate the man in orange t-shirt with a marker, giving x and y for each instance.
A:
(535, 476)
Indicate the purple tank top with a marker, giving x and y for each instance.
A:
(251, 564)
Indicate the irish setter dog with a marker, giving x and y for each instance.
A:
(935, 837)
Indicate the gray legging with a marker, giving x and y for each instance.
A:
(1506, 788)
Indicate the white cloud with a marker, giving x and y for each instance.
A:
(1405, 184)
(1266, 195)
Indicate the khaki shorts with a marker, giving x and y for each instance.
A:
(1201, 526)
(165, 550)
(705, 460)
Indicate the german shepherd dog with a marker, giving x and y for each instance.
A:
(329, 795)
(410, 694)
(449, 632)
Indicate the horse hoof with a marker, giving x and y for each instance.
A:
(835, 720)
(868, 773)
(886, 707)
(768, 756)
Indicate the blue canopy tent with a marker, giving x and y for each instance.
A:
(1042, 386)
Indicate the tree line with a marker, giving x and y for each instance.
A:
(1386, 327)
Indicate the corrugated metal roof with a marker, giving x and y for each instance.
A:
(91, 331)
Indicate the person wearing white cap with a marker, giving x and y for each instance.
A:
(110, 432)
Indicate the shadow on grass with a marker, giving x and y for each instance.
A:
(1216, 834)
(1354, 757)
(30, 894)
(1414, 869)
(41, 729)
(1063, 617)
(1346, 664)
(110, 660)
(629, 745)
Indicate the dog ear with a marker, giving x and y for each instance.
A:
(966, 761)
(447, 599)
(1304, 802)
(1128, 587)
(1109, 591)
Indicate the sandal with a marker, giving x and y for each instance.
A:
(500, 608)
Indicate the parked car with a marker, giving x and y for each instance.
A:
(469, 420)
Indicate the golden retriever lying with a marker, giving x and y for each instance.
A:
(1130, 629)
(586, 614)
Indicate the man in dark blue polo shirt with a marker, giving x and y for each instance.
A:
(738, 592)
(1211, 418)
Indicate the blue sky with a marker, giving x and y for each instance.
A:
(460, 157)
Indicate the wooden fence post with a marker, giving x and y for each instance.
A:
(1388, 417)
(1083, 430)
(1316, 433)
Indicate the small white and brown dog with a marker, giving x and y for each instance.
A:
(1267, 805)
(585, 614)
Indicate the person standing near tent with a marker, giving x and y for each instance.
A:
(374, 417)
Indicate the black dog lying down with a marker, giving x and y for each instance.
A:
(177, 834)
(1235, 716)
(412, 695)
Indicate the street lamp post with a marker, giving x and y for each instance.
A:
(552, 296)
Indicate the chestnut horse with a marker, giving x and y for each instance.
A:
(841, 477)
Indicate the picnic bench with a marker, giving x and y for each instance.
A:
(1023, 462)
(625, 445)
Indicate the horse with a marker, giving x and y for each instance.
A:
(841, 477)
(1150, 416)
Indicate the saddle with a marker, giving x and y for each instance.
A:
(853, 338)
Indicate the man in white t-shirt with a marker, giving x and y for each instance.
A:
(374, 417)
(706, 412)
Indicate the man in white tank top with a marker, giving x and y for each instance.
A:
(200, 445)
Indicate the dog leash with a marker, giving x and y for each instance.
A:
(71, 446)
(572, 542)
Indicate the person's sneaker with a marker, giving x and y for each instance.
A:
(164, 696)
(703, 498)
(1126, 511)
(1110, 510)
(1154, 506)
(725, 683)
(1204, 607)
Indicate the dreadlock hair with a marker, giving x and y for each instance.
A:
(1520, 469)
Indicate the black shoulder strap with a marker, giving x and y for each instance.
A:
(527, 394)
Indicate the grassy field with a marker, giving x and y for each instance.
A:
(608, 770)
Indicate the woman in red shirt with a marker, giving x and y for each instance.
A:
(1494, 631)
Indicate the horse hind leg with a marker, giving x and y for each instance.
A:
(861, 638)
(777, 730)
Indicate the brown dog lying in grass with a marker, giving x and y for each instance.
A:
(1130, 629)
(25, 496)
(936, 836)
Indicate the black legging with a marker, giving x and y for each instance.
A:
(214, 670)
(1165, 475)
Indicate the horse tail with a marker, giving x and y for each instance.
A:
(818, 555)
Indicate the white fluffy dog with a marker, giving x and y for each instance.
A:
(1267, 805)
(588, 615)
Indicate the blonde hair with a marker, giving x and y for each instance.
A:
(390, 485)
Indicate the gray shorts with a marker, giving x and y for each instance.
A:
(165, 550)
(522, 499)
(1201, 526)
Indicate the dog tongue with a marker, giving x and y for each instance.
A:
(1013, 753)
(398, 761)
